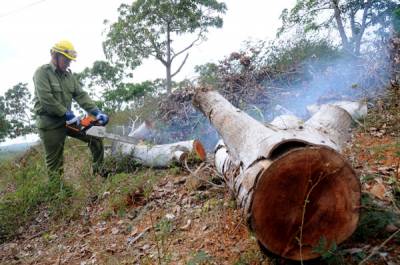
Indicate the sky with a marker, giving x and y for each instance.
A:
(29, 28)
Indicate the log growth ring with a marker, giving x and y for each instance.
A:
(318, 175)
(199, 150)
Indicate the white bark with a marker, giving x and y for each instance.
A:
(160, 156)
(332, 121)
(286, 122)
(357, 110)
(239, 182)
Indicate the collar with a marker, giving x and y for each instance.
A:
(54, 69)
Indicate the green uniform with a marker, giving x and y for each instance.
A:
(54, 92)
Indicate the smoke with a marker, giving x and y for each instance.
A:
(174, 130)
(197, 126)
(322, 82)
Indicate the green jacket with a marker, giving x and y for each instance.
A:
(53, 96)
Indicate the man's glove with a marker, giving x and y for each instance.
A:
(101, 117)
(71, 118)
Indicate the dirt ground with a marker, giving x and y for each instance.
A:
(186, 220)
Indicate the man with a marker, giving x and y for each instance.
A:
(55, 88)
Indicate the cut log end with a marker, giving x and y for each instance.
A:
(199, 150)
(180, 155)
(320, 197)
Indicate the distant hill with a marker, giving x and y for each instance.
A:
(9, 151)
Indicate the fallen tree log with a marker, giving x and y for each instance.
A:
(293, 186)
(357, 110)
(161, 156)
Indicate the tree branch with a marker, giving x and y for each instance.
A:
(159, 57)
(180, 67)
(189, 46)
(376, 249)
(363, 25)
(157, 54)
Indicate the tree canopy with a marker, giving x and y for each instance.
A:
(4, 123)
(109, 87)
(148, 28)
(15, 117)
(351, 18)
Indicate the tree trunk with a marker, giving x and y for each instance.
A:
(394, 50)
(339, 22)
(161, 156)
(169, 61)
(292, 185)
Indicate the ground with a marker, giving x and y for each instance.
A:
(192, 219)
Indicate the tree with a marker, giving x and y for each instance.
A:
(4, 124)
(101, 78)
(114, 99)
(102, 74)
(351, 18)
(16, 108)
(207, 73)
(148, 28)
(107, 85)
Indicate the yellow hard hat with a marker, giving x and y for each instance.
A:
(66, 48)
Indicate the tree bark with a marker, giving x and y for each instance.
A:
(169, 61)
(357, 110)
(291, 183)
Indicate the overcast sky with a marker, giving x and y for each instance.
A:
(28, 29)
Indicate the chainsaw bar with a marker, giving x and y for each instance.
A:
(100, 131)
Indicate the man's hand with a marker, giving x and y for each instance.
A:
(101, 117)
(71, 118)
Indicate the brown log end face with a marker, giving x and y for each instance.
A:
(183, 156)
(199, 150)
(305, 195)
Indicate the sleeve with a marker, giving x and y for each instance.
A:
(44, 92)
(82, 97)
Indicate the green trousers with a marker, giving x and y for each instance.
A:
(53, 141)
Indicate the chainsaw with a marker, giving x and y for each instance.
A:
(90, 126)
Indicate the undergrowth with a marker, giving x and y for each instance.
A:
(30, 193)
(26, 191)
(385, 115)
(128, 190)
(373, 220)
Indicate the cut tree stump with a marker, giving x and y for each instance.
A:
(290, 181)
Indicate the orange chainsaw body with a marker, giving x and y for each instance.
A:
(84, 124)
